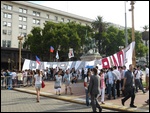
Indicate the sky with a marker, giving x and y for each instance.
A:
(111, 11)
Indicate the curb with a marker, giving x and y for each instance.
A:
(68, 99)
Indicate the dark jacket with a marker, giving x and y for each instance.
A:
(94, 86)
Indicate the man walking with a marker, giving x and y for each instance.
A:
(94, 90)
(128, 87)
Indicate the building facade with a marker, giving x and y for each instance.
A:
(18, 18)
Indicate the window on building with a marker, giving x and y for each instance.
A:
(4, 23)
(5, 15)
(24, 10)
(20, 26)
(56, 18)
(4, 31)
(9, 24)
(38, 22)
(8, 43)
(24, 27)
(5, 6)
(4, 43)
(9, 7)
(68, 20)
(62, 19)
(24, 19)
(47, 16)
(9, 32)
(20, 10)
(36, 13)
(34, 21)
(9, 15)
(20, 18)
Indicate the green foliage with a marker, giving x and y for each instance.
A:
(71, 35)
(65, 36)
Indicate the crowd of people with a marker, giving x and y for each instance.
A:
(113, 82)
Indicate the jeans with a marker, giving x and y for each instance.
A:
(111, 90)
(87, 97)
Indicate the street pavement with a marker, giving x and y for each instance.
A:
(14, 101)
(79, 97)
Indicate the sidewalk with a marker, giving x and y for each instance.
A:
(79, 97)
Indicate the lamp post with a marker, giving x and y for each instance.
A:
(20, 45)
(133, 37)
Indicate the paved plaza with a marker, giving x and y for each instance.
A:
(14, 101)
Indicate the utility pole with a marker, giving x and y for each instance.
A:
(133, 37)
(126, 38)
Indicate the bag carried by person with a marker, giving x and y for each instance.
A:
(43, 84)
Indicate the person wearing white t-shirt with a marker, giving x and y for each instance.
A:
(147, 77)
(38, 82)
(137, 74)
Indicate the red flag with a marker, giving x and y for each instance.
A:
(51, 49)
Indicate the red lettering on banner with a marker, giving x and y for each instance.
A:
(115, 61)
(105, 63)
(119, 54)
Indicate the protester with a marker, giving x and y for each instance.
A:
(67, 81)
(58, 79)
(128, 86)
(102, 86)
(94, 90)
(137, 75)
(86, 85)
(38, 82)
(147, 77)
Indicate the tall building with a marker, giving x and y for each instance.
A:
(18, 18)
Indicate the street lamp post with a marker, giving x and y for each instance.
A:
(133, 37)
(20, 43)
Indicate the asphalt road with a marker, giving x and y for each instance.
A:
(14, 101)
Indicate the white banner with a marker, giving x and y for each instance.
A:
(121, 58)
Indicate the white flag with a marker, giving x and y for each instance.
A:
(57, 56)
(70, 54)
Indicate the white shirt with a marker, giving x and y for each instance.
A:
(86, 80)
(147, 72)
(117, 73)
(38, 79)
(137, 74)
(13, 75)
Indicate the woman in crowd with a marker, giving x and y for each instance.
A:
(58, 80)
(38, 82)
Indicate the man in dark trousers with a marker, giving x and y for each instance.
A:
(128, 87)
(94, 90)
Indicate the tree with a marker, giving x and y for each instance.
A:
(140, 48)
(99, 26)
(57, 35)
